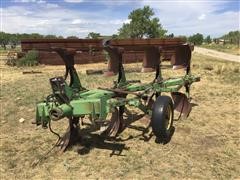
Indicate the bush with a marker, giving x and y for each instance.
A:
(197, 39)
(30, 59)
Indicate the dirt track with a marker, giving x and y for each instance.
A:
(217, 54)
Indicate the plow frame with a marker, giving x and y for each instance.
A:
(74, 102)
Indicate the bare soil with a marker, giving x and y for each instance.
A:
(217, 54)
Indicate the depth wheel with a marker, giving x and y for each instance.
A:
(162, 119)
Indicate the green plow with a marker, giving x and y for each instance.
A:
(75, 102)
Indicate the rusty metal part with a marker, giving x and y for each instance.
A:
(64, 141)
(109, 73)
(150, 101)
(46, 44)
(141, 44)
(115, 54)
(83, 57)
(172, 49)
(182, 57)
(151, 48)
(71, 136)
(32, 72)
(166, 54)
(181, 103)
(151, 59)
(92, 71)
(96, 44)
(116, 124)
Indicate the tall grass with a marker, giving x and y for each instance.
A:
(30, 59)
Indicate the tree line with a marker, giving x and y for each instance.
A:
(141, 24)
(14, 39)
(233, 37)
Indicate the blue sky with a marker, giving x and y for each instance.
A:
(79, 17)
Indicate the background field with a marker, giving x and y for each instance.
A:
(204, 146)
(227, 48)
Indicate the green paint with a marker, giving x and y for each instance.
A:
(97, 103)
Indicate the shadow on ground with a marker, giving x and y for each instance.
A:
(88, 140)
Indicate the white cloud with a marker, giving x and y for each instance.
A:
(127, 21)
(111, 3)
(178, 17)
(57, 20)
(189, 17)
(202, 17)
(24, 1)
(106, 2)
(74, 1)
(30, 1)
(51, 5)
(77, 21)
(41, 2)
(118, 21)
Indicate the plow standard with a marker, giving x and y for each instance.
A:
(75, 102)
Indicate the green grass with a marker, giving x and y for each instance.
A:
(227, 48)
(18, 49)
(30, 59)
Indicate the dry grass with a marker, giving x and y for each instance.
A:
(227, 48)
(204, 146)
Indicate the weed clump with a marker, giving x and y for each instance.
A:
(236, 69)
(208, 67)
(221, 69)
(30, 59)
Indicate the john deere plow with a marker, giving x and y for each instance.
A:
(75, 102)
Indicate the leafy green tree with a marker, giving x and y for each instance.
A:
(25, 36)
(50, 36)
(13, 41)
(208, 39)
(142, 25)
(114, 36)
(182, 37)
(72, 37)
(4, 39)
(233, 37)
(93, 35)
(170, 35)
(36, 36)
(196, 39)
(215, 40)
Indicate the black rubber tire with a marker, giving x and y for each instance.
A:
(162, 119)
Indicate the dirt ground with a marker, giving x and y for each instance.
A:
(204, 146)
(217, 54)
